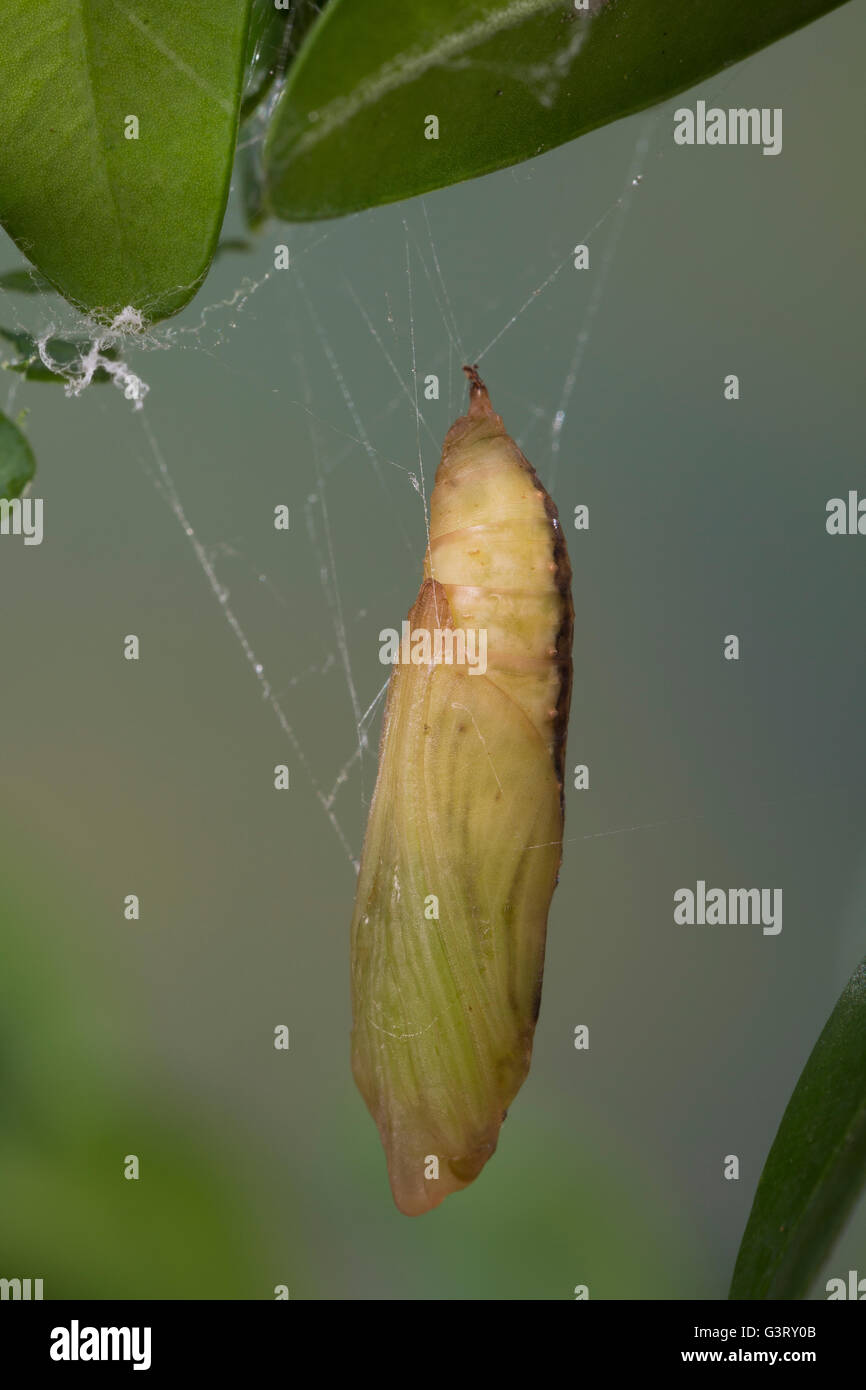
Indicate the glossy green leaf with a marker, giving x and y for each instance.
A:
(114, 221)
(275, 37)
(817, 1164)
(266, 44)
(273, 44)
(17, 464)
(507, 79)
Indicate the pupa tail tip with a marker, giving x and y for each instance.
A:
(479, 400)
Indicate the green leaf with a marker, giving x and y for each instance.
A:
(17, 464)
(507, 80)
(113, 221)
(66, 357)
(266, 45)
(252, 185)
(817, 1164)
(274, 40)
(25, 281)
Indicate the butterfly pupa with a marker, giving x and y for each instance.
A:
(464, 837)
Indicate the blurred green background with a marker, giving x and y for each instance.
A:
(155, 1037)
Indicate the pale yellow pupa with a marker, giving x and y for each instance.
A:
(464, 838)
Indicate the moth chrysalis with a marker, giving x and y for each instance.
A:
(464, 838)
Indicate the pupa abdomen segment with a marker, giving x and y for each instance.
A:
(464, 838)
